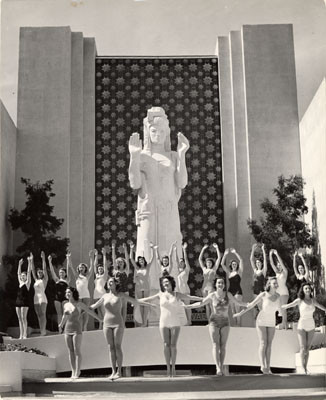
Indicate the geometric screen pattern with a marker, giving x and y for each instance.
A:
(187, 89)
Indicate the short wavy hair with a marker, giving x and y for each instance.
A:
(170, 279)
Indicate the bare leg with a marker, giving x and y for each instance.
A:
(303, 344)
(124, 308)
(224, 334)
(20, 321)
(77, 340)
(284, 300)
(270, 336)
(207, 307)
(59, 309)
(310, 336)
(108, 334)
(72, 358)
(216, 340)
(43, 319)
(174, 339)
(118, 335)
(166, 336)
(262, 335)
(237, 309)
(24, 311)
(87, 302)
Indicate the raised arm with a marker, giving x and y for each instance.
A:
(45, 272)
(126, 258)
(252, 257)
(105, 264)
(271, 260)
(185, 256)
(294, 303)
(240, 270)
(131, 255)
(95, 261)
(70, 268)
(52, 271)
(29, 269)
(306, 271)
(172, 252)
(92, 256)
(201, 257)
(135, 148)
(295, 269)
(281, 262)
(114, 255)
(19, 271)
(31, 257)
(264, 260)
(218, 260)
(225, 268)
(181, 169)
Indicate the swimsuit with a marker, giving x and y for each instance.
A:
(219, 318)
(306, 320)
(281, 280)
(170, 307)
(113, 307)
(60, 291)
(22, 299)
(141, 279)
(266, 316)
(234, 282)
(99, 290)
(182, 282)
(209, 276)
(39, 295)
(82, 287)
(299, 282)
(123, 280)
(73, 324)
(259, 283)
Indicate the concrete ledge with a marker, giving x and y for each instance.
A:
(316, 363)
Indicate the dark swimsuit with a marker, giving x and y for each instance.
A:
(60, 291)
(259, 284)
(235, 287)
(22, 299)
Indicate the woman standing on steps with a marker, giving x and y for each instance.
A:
(100, 279)
(61, 284)
(22, 299)
(306, 325)
(219, 324)
(40, 299)
(170, 303)
(71, 322)
(113, 323)
(301, 272)
(266, 321)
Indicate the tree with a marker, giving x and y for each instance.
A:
(282, 227)
(38, 223)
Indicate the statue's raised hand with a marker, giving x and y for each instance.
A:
(183, 144)
(135, 144)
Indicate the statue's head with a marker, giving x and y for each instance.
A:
(156, 129)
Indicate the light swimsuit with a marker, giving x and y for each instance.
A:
(82, 287)
(170, 307)
(39, 295)
(281, 280)
(73, 325)
(209, 276)
(141, 279)
(113, 307)
(99, 286)
(220, 316)
(266, 316)
(306, 320)
(182, 282)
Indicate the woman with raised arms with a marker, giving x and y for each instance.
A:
(100, 279)
(22, 299)
(301, 272)
(40, 299)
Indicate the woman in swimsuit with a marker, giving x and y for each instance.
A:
(183, 276)
(121, 270)
(142, 282)
(40, 299)
(82, 276)
(71, 322)
(209, 272)
(281, 273)
(301, 272)
(266, 321)
(234, 274)
(165, 262)
(100, 279)
(22, 300)
(61, 284)
(170, 306)
(306, 325)
(113, 324)
(219, 323)
(259, 270)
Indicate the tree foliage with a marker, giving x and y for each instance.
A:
(38, 224)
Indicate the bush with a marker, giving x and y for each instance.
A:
(20, 347)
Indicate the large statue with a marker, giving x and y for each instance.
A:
(158, 174)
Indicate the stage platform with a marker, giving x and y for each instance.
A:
(282, 386)
(143, 347)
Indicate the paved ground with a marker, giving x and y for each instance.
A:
(277, 386)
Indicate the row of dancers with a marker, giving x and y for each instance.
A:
(121, 269)
(170, 301)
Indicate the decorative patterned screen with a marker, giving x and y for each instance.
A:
(187, 89)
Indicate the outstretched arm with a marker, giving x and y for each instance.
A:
(201, 303)
(250, 305)
(218, 260)
(201, 257)
(150, 298)
(236, 301)
(89, 311)
(97, 304)
(320, 306)
(136, 302)
(52, 271)
(294, 303)
(183, 296)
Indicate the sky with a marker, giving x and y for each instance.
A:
(166, 28)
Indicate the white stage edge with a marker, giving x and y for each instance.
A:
(143, 347)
